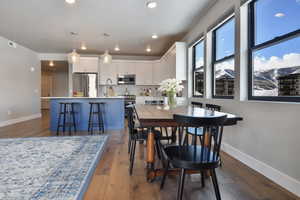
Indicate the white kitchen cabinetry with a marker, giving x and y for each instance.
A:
(144, 73)
(126, 67)
(157, 72)
(108, 71)
(174, 62)
(86, 65)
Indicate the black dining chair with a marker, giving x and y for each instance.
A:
(198, 104)
(197, 133)
(135, 134)
(138, 134)
(204, 157)
(213, 107)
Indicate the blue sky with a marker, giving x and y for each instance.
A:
(225, 38)
(273, 18)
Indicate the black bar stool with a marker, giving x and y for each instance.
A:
(66, 117)
(96, 109)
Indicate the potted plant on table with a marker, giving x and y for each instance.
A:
(171, 87)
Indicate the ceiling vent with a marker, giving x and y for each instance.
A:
(12, 44)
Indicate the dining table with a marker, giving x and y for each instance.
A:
(152, 116)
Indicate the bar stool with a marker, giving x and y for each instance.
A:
(66, 117)
(96, 109)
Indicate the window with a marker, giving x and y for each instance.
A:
(198, 69)
(274, 50)
(223, 60)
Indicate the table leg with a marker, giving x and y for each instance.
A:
(150, 155)
(207, 141)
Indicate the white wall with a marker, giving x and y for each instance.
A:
(269, 133)
(19, 85)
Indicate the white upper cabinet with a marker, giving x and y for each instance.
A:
(172, 65)
(126, 67)
(86, 64)
(108, 71)
(144, 73)
(157, 72)
(181, 61)
(174, 62)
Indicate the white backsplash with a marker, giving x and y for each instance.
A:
(132, 89)
(137, 90)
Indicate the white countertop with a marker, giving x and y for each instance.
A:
(114, 97)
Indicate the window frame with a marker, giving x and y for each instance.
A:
(195, 69)
(215, 61)
(252, 48)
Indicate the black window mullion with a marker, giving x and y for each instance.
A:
(276, 40)
(224, 59)
(215, 61)
(195, 69)
(252, 47)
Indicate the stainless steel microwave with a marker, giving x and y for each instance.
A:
(128, 79)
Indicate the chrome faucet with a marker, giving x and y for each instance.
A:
(108, 83)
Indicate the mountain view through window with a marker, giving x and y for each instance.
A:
(276, 65)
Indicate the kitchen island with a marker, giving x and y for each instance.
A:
(113, 112)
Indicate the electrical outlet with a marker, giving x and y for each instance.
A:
(32, 69)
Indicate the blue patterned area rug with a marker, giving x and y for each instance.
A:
(56, 168)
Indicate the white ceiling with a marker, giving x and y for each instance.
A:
(45, 25)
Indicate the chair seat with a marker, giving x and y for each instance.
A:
(188, 157)
(192, 131)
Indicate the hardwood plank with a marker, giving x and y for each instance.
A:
(111, 180)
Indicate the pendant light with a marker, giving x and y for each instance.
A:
(106, 58)
(73, 57)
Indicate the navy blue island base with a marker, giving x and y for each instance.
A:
(114, 111)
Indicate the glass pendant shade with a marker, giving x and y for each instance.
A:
(73, 57)
(106, 58)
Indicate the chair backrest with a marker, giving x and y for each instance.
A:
(211, 138)
(130, 118)
(213, 107)
(198, 104)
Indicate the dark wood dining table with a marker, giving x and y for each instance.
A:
(151, 116)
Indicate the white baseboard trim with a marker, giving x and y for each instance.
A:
(21, 119)
(278, 177)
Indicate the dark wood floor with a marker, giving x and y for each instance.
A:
(111, 180)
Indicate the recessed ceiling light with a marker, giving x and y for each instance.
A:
(151, 4)
(51, 64)
(279, 15)
(148, 49)
(70, 1)
(83, 47)
(117, 48)
(154, 36)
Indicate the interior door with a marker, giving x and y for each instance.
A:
(46, 89)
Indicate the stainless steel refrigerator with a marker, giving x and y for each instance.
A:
(85, 84)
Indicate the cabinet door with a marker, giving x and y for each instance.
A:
(181, 61)
(165, 69)
(126, 67)
(108, 71)
(89, 64)
(157, 73)
(172, 64)
(77, 68)
(144, 73)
